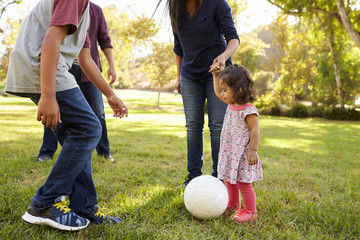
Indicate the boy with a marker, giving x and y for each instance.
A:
(98, 35)
(50, 38)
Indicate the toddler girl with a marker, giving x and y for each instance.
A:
(239, 164)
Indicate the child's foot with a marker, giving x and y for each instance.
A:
(242, 216)
(57, 216)
(232, 208)
(98, 217)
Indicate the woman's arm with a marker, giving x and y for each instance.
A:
(229, 51)
(178, 60)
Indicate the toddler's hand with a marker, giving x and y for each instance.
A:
(216, 68)
(252, 157)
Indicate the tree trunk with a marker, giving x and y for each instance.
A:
(340, 90)
(355, 36)
(338, 80)
(158, 99)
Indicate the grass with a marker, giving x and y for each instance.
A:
(310, 189)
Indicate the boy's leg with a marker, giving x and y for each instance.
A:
(95, 100)
(78, 133)
(71, 175)
(82, 130)
(49, 145)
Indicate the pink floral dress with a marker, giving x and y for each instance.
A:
(234, 145)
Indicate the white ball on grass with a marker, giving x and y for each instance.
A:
(206, 197)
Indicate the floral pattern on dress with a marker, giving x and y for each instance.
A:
(234, 145)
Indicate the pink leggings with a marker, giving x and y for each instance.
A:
(247, 192)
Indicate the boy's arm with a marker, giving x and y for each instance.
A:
(111, 71)
(48, 108)
(92, 72)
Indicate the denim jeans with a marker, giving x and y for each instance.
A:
(95, 100)
(71, 174)
(194, 93)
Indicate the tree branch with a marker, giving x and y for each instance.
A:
(345, 20)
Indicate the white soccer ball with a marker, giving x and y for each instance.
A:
(206, 197)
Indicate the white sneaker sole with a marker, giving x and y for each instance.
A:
(46, 221)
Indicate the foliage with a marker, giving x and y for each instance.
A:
(305, 62)
(5, 3)
(310, 188)
(8, 42)
(302, 111)
(322, 17)
(128, 36)
(237, 6)
(249, 52)
(263, 82)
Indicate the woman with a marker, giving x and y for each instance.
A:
(200, 27)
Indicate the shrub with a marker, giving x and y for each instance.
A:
(298, 111)
(336, 113)
(302, 111)
(273, 110)
(317, 111)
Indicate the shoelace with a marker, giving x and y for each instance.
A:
(62, 206)
(100, 213)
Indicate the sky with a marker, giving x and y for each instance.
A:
(258, 12)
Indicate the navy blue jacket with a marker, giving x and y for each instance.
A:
(199, 40)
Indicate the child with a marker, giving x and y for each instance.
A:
(50, 38)
(239, 164)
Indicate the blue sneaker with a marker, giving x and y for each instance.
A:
(58, 216)
(98, 217)
(44, 158)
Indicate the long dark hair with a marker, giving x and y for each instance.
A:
(176, 9)
(237, 77)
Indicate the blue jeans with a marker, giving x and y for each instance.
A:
(95, 100)
(71, 174)
(194, 93)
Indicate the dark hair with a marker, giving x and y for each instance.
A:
(176, 9)
(237, 77)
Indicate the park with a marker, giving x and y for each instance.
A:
(307, 81)
(310, 188)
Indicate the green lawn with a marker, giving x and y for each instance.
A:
(310, 189)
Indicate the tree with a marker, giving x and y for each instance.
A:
(160, 66)
(127, 37)
(330, 22)
(346, 22)
(346, 15)
(8, 42)
(249, 52)
(6, 3)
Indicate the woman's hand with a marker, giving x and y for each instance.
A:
(177, 85)
(218, 65)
